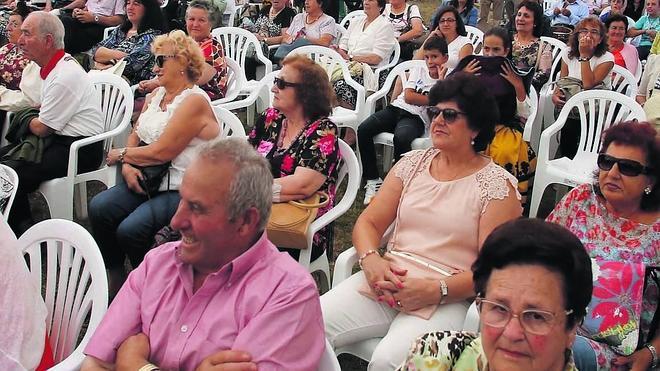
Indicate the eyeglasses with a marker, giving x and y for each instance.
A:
(626, 167)
(282, 84)
(448, 114)
(447, 20)
(160, 59)
(617, 28)
(585, 32)
(533, 321)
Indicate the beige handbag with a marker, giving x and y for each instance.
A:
(289, 221)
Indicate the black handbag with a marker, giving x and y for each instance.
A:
(152, 176)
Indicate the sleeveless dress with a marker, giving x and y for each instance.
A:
(152, 123)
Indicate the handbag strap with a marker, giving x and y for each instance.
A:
(317, 205)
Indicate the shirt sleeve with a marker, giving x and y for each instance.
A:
(640, 23)
(292, 323)
(321, 151)
(110, 42)
(581, 12)
(296, 25)
(120, 6)
(123, 318)
(411, 82)
(328, 26)
(414, 12)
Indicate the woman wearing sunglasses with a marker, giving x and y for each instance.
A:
(443, 202)
(300, 142)
(176, 119)
(618, 218)
(533, 283)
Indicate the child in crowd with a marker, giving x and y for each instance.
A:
(405, 116)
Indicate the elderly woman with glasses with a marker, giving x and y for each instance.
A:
(617, 217)
(176, 119)
(588, 63)
(443, 202)
(299, 140)
(533, 283)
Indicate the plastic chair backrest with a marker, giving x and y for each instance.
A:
(116, 103)
(329, 361)
(476, 37)
(236, 42)
(231, 125)
(12, 178)
(76, 287)
(547, 4)
(558, 47)
(350, 167)
(623, 81)
(350, 16)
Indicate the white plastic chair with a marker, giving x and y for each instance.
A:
(261, 96)
(341, 31)
(235, 82)
(639, 71)
(476, 37)
(107, 31)
(531, 131)
(349, 170)
(546, 108)
(231, 125)
(547, 4)
(330, 60)
(394, 60)
(612, 108)
(387, 139)
(329, 360)
(76, 287)
(12, 177)
(364, 349)
(163, 3)
(351, 16)
(116, 102)
(623, 81)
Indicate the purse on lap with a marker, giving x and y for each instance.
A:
(289, 221)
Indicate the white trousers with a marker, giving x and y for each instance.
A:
(351, 317)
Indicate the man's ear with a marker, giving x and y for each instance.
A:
(249, 222)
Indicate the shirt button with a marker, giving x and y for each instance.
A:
(184, 328)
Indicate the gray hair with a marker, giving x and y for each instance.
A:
(49, 24)
(252, 184)
(210, 8)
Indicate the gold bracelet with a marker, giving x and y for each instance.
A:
(122, 153)
(149, 367)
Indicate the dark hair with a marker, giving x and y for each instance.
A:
(381, 5)
(315, 93)
(574, 44)
(531, 241)
(536, 9)
(152, 18)
(616, 18)
(435, 42)
(460, 26)
(502, 34)
(469, 4)
(645, 137)
(21, 10)
(466, 89)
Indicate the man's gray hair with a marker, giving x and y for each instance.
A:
(252, 184)
(210, 8)
(49, 24)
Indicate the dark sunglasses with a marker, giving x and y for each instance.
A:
(626, 167)
(282, 84)
(160, 59)
(448, 114)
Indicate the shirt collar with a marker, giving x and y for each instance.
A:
(59, 54)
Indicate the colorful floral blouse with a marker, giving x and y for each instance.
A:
(139, 59)
(609, 237)
(316, 147)
(524, 56)
(451, 350)
(214, 54)
(12, 63)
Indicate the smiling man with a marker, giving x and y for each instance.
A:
(221, 291)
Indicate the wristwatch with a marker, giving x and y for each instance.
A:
(96, 18)
(444, 290)
(580, 59)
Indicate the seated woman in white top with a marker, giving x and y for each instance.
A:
(368, 43)
(177, 117)
(588, 62)
(449, 25)
(311, 27)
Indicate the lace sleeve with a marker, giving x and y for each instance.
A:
(406, 165)
(494, 183)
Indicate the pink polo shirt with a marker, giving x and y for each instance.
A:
(263, 302)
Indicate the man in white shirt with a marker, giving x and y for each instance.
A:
(70, 110)
(568, 12)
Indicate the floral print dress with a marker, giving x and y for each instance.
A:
(139, 58)
(608, 237)
(316, 147)
(12, 63)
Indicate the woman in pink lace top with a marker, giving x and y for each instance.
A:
(443, 202)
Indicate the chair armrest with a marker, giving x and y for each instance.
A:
(471, 323)
(72, 362)
(75, 146)
(344, 266)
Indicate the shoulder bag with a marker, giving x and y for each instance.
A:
(289, 221)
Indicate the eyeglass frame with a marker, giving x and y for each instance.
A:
(432, 114)
(283, 84)
(479, 300)
(447, 20)
(161, 58)
(584, 31)
(639, 168)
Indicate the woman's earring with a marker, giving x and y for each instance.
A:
(472, 142)
(181, 72)
(647, 190)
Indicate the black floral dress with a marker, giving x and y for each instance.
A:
(316, 147)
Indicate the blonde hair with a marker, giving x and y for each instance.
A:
(185, 49)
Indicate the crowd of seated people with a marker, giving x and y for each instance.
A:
(449, 216)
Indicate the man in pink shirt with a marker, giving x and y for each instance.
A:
(224, 293)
